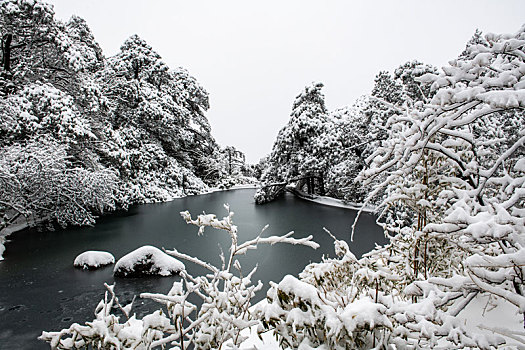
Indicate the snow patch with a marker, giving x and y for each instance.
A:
(333, 202)
(147, 260)
(93, 259)
(520, 165)
(2, 248)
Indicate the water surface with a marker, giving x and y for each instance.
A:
(41, 290)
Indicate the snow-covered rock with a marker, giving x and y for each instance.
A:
(147, 260)
(93, 259)
(2, 248)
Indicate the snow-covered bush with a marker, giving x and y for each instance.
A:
(459, 171)
(38, 181)
(224, 312)
(346, 303)
(107, 332)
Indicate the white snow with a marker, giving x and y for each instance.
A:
(520, 165)
(485, 314)
(2, 248)
(6, 232)
(148, 260)
(333, 202)
(93, 259)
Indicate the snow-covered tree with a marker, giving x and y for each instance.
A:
(344, 143)
(151, 104)
(321, 154)
(129, 116)
(296, 154)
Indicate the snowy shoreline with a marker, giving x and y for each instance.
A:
(19, 226)
(330, 201)
(4, 233)
(323, 200)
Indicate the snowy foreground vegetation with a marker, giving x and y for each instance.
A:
(447, 173)
(224, 313)
(81, 134)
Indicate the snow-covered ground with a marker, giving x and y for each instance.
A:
(234, 187)
(93, 259)
(333, 202)
(147, 260)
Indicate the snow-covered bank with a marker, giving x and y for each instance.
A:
(234, 187)
(333, 202)
(6, 232)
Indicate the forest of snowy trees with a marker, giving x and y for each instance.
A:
(333, 147)
(440, 152)
(81, 133)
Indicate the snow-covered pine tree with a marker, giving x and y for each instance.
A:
(296, 153)
(153, 107)
(344, 142)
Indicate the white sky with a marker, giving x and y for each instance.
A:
(254, 57)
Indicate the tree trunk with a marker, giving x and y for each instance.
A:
(308, 185)
(229, 162)
(6, 52)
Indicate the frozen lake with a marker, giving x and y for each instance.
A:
(41, 290)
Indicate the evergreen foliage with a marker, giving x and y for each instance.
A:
(128, 115)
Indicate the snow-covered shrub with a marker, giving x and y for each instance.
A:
(224, 313)
(346, 303)
(106, 331)
(38, 181)
(458, 170)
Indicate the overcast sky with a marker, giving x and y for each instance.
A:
(254, 57)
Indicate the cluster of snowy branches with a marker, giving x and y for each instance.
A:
(129, 115)
(450, 177)
(224, 310)
(38, 180)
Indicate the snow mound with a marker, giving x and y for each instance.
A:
(147, 260)
(93, 259)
